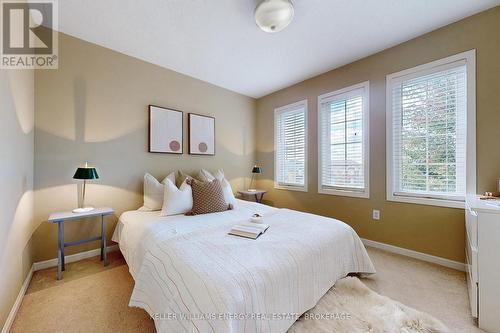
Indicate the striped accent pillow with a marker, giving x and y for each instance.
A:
(208, 197)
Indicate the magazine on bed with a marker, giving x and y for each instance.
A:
(249, 230)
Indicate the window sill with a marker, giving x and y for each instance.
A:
(426, 201)
(346, 193)
(291, 188)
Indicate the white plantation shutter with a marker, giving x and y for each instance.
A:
(343, 126)
(290, 145)
(429, 139)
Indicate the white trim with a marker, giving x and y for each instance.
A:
(365, 192)
(471, 124)
(290, 188)
(469, 58)
(416, 255)
(426, 201)
(437, 63)
(13, 312)
(72, 258)
(345, 192)
(291, 107)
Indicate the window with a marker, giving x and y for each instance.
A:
(431, 132)
(343, 124)
(290, 151)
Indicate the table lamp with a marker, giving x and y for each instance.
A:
(255, 171)
(85, 173)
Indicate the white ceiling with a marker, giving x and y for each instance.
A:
(217, 40)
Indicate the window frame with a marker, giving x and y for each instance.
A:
(283, 109)
(469, 58)
(365, 193)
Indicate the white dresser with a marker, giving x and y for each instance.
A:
(482, 220)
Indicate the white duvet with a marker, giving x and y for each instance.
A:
(191, 276)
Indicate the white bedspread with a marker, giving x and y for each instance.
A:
(193, 277)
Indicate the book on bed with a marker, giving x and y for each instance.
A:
(249, 230)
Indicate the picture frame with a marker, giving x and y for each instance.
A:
(201, 138)
(165, 130)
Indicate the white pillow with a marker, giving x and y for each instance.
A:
(226, 186)
(177, 200)
(205, 176)
(153, 192)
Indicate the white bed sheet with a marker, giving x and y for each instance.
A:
(192, 277)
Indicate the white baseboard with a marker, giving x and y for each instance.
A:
(17, 303)
(417, 255)
(72, 258)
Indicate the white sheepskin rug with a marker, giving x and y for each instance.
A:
(351, 307)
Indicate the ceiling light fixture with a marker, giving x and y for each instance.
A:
(274, 15)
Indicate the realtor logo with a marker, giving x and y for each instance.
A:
(29, 34)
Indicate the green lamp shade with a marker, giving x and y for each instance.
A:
(86, 173)
(257, 169)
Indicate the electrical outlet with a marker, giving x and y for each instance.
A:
(376, 214)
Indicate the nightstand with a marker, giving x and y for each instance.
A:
(62, 217)
(257, 194)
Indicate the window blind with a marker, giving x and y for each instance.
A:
(290, 153)
(429, 114)
(342, 141)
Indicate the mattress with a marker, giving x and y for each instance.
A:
(191, 276)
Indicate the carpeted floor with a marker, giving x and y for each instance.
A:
(93, 298)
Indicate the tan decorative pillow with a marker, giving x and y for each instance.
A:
(180, 177)
(208, 197)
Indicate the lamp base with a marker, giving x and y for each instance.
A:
(252, 190)
(83, 210)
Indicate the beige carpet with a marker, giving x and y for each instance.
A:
(92, 298)
(95, 303)
(438, 291)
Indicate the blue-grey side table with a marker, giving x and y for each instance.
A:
(61, 217)
(257, 194)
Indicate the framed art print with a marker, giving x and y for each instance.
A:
(165, 130)
(201, 134)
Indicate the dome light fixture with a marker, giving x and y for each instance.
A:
(274, 15)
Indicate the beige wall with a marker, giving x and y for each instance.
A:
(16, 179)
(433, 230)
(95, 108)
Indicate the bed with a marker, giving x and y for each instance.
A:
(191, 276)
